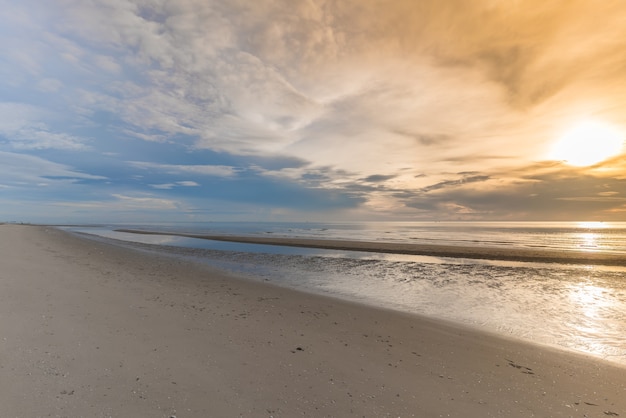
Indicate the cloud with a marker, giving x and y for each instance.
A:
(169, 186)
(258, 81)
(454, 183)
(23, 127)
(205, 170)
(108, 64)
(123, 203)
(49, 85)
(541, 192)
(19, 170)
(377, 178)
(36, 139)
(145, 202)
(403, 107)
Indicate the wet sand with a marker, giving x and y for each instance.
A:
(539, 255)
(93, 329)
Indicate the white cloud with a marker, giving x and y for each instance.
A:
(205, 170)
(188, 183)
(24, 127)
(28, 171)
(124, 202)
(108, 64)
(169, 186)
(146, 202)
(198, 82)
(14, 116)
(49, 85)
(164, 186)
(32, 139)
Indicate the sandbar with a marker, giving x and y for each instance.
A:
(536, 255)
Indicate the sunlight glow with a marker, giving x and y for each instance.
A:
(593, 225)
(595, 303)
(588, 143)
(588, 241)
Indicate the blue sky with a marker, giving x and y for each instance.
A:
(197, 110)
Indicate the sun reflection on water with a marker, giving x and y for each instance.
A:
(588, 241)
(593, 225)
(594, 325)
(592, 236)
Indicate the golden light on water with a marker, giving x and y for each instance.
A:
(588, 143)
(593, 326)
(589, 241)
(593, 225)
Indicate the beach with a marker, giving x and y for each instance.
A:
(96, 330)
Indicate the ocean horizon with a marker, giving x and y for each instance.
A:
(570, 235)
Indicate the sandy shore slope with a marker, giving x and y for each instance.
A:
(90, 329)
(540, 255)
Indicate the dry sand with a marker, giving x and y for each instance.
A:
(91, 329)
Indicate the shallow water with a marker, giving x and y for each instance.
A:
(561, 236)
(582, 308)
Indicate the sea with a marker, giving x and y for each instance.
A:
(576, 307)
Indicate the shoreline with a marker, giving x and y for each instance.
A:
(93, 329)
(483, 253)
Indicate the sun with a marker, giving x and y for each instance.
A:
(588, 143)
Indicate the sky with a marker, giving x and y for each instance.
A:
(312, 110)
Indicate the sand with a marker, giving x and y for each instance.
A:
(90, 329)
(536, 255)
